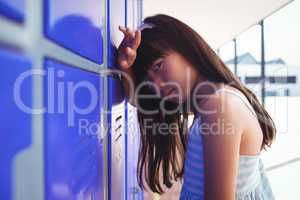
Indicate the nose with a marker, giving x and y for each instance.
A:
(159, 84)
(164, 90)
(161, 87)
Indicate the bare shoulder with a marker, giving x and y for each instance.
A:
(223, 106)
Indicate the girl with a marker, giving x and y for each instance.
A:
(174, 72)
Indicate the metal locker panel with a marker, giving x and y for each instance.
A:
(73, 142)
(116, 142)
(13, 9)
(134, 192)
(15, 118)
(117, 159)
(76, 25)
(116, 117)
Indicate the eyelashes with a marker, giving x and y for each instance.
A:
(157, 66)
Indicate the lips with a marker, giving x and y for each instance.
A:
(169, 92)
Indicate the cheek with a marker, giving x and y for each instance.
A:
(174, 78)
(173, 71)
(185, 82)
(177, 75)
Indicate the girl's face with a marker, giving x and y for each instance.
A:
(173, 77)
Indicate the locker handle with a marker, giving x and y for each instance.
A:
(111, 73)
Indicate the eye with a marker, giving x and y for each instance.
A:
(157, 66)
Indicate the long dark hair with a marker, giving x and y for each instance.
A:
(168, 150)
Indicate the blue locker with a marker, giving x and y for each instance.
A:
(116, 106)
(13, 9)
(73, 143)
(76, 25)
(15, 98)
(123, 141)
(133, 191)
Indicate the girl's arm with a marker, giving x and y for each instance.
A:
(222, 129)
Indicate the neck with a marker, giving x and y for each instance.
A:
(201, 89)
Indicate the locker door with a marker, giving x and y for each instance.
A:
(133, 191)
(116, 105)
(76, 25)
(13, 9)
(73, 148)
(15, 118)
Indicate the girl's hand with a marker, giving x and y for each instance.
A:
(126, 56)
(127, 50)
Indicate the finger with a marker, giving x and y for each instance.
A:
(122, 29)
(130, 33)
(126, 36)
(124, 64)
(130, 52)
(137, 40)
(125, 31)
